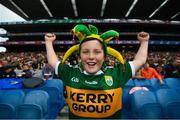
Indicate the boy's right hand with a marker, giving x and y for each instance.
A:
(50, 37)
(143, 36)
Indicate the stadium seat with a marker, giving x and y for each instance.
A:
(156, 84)
(30, 111)
(167, 98)
(130, 83)
(144, 105)
(55, 89)
(126, 97)
(55, 83)
(7, 111)
(143, 83)
(173, 110)
(9, 101)
(56, 101)
(14, 97)
(173, 83)
(37, 103)
(150, 111)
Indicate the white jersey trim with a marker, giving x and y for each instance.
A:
(132, 68)
(56, 68)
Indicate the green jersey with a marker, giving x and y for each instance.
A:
(95, 96)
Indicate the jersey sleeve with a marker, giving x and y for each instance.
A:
(125, 72)
(63, 71)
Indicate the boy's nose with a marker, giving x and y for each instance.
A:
(91, 55)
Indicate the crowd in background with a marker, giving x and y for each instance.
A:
(28, 64)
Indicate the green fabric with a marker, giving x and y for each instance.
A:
(73, 78)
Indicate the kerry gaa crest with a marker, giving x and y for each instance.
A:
(109, 80)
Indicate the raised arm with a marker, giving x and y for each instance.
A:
(51, 55)
(141, 55)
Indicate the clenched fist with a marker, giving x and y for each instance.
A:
(50, 37)
(143, 36)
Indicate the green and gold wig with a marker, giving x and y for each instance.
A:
(84, 33)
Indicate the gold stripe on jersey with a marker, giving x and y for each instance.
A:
(94, 103)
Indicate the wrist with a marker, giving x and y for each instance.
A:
(144, 41)
(48, 41)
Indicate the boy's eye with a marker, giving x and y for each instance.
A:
(98, 51)
(84, 52)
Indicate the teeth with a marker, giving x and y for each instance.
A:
(91, 63)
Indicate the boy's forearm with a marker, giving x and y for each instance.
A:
(141, 55)
(51, 55)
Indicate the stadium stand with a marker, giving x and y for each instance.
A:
(143, 83)
(42, 102)
(126, 96)
(173, 83)
(55, 90)
(6, 111)
(145, 105)
(9, 101)
(155, 84)
(169, 99)
(26, 46)
(35, 105)
(126, 99)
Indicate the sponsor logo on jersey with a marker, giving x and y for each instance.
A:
(109, 80)
(94, 103)
(91, 82)
(74, 79)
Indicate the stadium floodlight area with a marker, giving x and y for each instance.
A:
(3, 31)
(2, 49)
(3, 39)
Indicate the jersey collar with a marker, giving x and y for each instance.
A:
(98, 73)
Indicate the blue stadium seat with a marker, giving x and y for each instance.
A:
(150, 111)
(144, 105)
(14, 97)
(173, 110)
(178, 90)
(126, 97)
(7, 111)
(156, 84)
(144, 83)
(56, 101)
(36, 102)
(167, 98)
(9, 101)
(130, 83)
(55, 83)
(30, 111)
(55, 89)
(173, 83)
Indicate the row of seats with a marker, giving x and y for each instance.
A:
(165, 103)
(43, 102)
(154, 84)
(158, 102)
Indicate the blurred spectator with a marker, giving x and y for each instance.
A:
(160, 71)
(167, 64)
(172, 68)
(7, 71)
(26, 72)
(47, 72)
(73, 60)
(149, 73)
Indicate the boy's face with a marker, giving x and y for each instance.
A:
(92, 56)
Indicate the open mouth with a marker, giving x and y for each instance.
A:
(91, 64)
